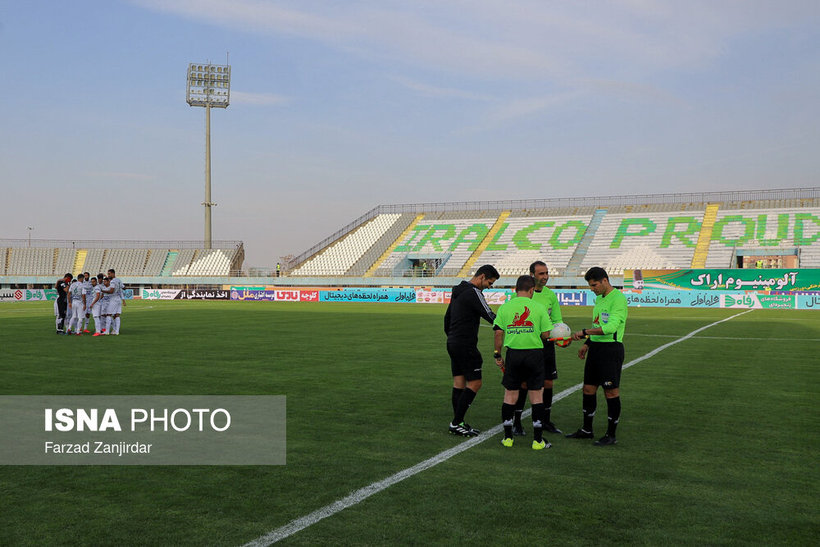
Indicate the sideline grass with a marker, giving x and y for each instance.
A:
(717, 439)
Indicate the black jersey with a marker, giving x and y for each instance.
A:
(62, 288)
(467, 307)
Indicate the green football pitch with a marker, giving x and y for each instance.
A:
(718, 438)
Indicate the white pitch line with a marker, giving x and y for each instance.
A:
(744, 338)
(362, 494)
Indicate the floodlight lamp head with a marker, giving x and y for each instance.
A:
(208, 85)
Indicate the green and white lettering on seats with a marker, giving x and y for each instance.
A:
(802, 235)
(478, 231)
(782, 230)
(692, 228)
(434, 236)
(748, 230)
(645, 227)
(489, 238)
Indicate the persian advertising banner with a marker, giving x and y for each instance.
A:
(725, 280)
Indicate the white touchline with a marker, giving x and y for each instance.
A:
(363, 493)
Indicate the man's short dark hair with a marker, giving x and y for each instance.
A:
(536, 263)
(100, 276)
(596, 273)
(488, 271)
(69, 276)
(111, 270)
(81, 277)
(524, 283)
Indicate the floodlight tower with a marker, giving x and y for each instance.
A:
(209, 86)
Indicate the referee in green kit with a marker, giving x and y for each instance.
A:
(604, 352)
(520, 325)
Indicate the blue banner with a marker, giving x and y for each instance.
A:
(374, 294)
(808, 301)
(567, 297)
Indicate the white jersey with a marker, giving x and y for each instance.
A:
(76, 292)
(94, 292)
(116, 284)
(89, 291)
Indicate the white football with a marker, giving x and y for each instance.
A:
(560, 330)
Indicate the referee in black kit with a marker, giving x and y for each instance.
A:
(461, 321)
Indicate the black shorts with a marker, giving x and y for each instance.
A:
(550, 370)
(604, 363)
(523, 365)
(465, 361)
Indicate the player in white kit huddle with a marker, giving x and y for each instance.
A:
(89, 295)
(95, 304)
(76, 305)
(113, 309)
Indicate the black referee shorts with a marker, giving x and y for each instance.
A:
(523, 365)
(604, 363)
(465, 360)
(550, 370)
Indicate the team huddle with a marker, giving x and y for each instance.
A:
(523, 326)
(86, 297)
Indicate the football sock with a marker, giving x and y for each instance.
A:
(507, 413)
(519, 406)
(613, 407)
(57, 322)
(464, 402)
(455, 397)
(547, 404)
(97, 324)
(117, 325)
(590, 404)
(537, 421)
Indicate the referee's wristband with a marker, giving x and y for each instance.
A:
(584, 332)
(497, 355)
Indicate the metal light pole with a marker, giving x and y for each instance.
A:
(209, 86)
(29, 228)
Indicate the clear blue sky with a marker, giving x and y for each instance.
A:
(337, 107)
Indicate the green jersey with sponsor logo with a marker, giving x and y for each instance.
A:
(609, 313)
(523, 320)
(549, 300)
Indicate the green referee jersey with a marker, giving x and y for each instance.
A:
(549, 300)
(523, 321)
(609, 313)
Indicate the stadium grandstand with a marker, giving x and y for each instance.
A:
(38, 262)
(766, 228)
(438, 243)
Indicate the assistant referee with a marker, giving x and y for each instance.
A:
(604, 352)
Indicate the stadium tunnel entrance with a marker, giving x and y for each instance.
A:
(764, 258)
(422, 264)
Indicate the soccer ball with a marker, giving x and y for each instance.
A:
(560, 330)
